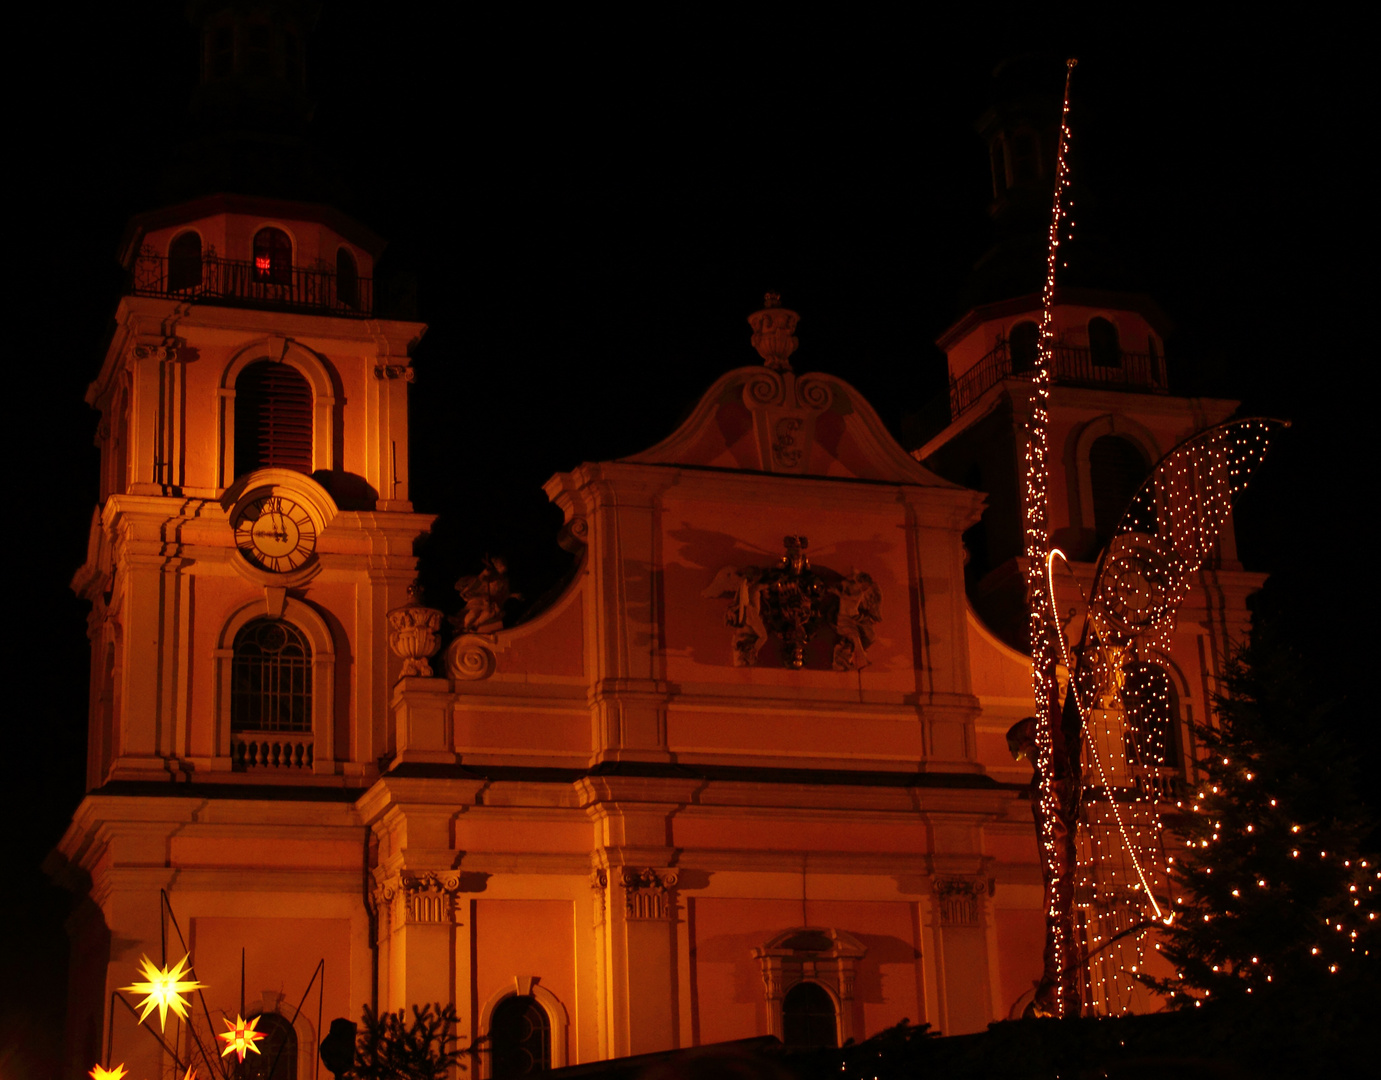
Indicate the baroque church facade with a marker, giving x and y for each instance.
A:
(748, 774)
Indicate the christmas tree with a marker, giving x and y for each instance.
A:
(1272, 891)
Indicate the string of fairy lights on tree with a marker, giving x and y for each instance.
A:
(1042, 618)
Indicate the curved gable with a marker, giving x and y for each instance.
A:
(760, 420)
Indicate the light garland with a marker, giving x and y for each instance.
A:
(1056, 870)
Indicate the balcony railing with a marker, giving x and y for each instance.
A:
(213, 280)
(1072, 366)
(279, 750)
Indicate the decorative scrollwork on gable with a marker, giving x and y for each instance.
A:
(469, 660)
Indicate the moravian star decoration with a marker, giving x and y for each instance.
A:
(163, 989)
(241, 1036)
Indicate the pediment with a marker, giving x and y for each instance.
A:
(758, 419)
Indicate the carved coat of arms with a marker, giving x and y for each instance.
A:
(792, 602)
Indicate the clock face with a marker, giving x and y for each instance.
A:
(275, 533)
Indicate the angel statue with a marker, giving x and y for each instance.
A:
(860, 602)
(484, 595)
(744, 588)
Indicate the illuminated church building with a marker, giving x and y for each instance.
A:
(631, 822)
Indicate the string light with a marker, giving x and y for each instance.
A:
(1042, 620)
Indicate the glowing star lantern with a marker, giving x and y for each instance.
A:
(241, 1036)
(101, 1073)
(163, 989)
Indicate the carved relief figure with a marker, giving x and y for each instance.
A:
(485, 595)
(860, 603)
(744, 615)
(793, 601)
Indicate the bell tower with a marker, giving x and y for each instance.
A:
(254, 528)
(254, 466)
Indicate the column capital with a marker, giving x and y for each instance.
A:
(416, 897)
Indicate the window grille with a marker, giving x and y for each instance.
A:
(184, 262)
(271, 678)
(519, 1038)
(273, 419)
(1104, 348)
(1025, 341)
(273, 257)
(277, 1057)
(347, 279)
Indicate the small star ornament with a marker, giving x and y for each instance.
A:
(102, 1073)
(163, 989)
(241, 1036)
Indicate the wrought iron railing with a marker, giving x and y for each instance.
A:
(214, 280)
(1072, 366)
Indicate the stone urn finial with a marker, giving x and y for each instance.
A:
(413, 633)
(774, 329)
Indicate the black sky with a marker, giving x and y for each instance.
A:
(591, 202)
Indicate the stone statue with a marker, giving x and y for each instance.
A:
(744, 614)
(859, 611)
(485, 595)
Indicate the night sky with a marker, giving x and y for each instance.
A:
(587, 206)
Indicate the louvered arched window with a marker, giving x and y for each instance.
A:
(271, 678)
(1116, 472)
(273, 418)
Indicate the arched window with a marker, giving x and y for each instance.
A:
(184, 262)
(999, 163)
(1026, 159)
(273, 257)
(273, 419)
(271, 678)
(1024, 342)
(1104, 348)
(519, 1038)
(347, 279)
(808, 1017)
(277, 1057)
(1116, 472)
(1152, 709)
